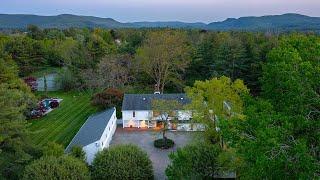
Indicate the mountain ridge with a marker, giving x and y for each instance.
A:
(288, 21)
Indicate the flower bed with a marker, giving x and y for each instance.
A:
(44, 107)
(160, 143)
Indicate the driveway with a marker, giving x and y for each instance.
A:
(144, 139)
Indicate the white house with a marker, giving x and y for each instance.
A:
(95, 134)
(137, 111)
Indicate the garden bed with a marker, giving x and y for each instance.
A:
(44, 107)
(160, 143)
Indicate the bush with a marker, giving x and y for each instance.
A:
(53, 149)
(160, 143)
(31, 82)
(107, 99)
(122, 162)
(50, 167)
(196, 161)
(54, 104)
(77, 152)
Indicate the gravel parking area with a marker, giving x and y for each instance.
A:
(144, 139)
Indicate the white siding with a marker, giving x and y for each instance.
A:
(92, 149)
(139, 115)
(109, 131)
(142, 116)
(140, 119)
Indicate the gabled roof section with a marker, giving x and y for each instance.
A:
(92, 130)
(143, 101)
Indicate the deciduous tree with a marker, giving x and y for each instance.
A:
(218, 98)
(164, 56)
(122, 162)
(165, 111)
(195, 161)
(63, 167)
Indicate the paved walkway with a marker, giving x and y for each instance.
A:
(144, 139)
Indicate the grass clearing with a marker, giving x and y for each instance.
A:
(63, 123)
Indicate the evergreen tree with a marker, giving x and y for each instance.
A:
(15, 97)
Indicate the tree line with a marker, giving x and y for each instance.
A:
(169, 59)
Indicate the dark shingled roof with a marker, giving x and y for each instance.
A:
(92, 129)
(143, 101)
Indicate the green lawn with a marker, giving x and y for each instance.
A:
(63, 123)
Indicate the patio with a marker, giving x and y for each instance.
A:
(144, 139)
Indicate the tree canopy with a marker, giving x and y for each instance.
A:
(163, 56)
(63, 167)
(195, 161)
(122, 162)
(218, 98)
(15, 97)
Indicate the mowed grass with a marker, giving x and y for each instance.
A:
(63, 123)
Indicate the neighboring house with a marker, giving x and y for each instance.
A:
(95, 134)
(137, 111)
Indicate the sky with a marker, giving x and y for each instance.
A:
(162, 10)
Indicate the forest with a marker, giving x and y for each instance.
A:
(276, 78)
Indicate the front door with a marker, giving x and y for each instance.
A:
(159, 124)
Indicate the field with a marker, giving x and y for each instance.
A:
(63, 123)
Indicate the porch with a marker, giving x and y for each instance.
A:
(142, 124)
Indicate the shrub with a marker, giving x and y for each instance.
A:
(77, 152)
(196, 161)
(53, 149)
(160, 143)
(31, 82)
(50, 167)
(54, 104)
(122, 162)
(107, 98)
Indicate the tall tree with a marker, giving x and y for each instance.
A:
(164, 56)
(15, 97)
(114, 70)
(215, 99)
(291, 81)
(266, 144)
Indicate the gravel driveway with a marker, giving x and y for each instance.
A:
(144, 139)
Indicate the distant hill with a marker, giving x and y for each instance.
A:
(285, 22)
(173, 24)
(281, 22)
(60, 21)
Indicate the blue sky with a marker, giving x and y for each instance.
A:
(162, 10)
